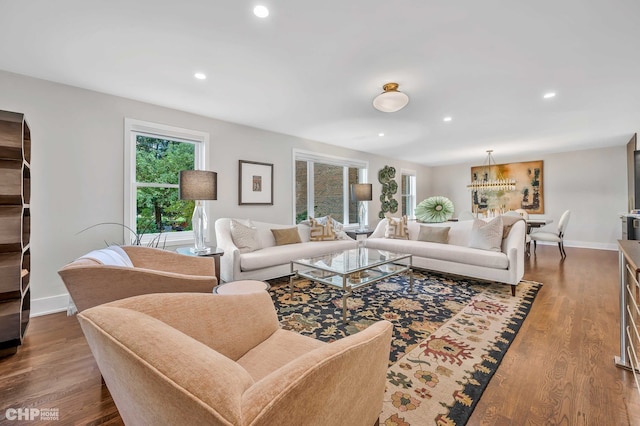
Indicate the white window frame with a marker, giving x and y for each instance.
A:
(312, 157)
(132, 128)
(412, 192)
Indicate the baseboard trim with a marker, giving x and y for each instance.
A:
(49, 305)
(583, 244)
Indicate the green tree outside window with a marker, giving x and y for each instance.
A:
(158, 165)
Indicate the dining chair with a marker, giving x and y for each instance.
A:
(557, 237)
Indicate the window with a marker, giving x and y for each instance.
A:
(408, 192)
(154, 156)
(322, 186)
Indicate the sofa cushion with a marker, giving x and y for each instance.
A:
(446, 252)
(281, 255)
(434, 234)
(286, 236)
(397, 228)
(244, 236)
(280, 348)
(486, 235)
(321, 232)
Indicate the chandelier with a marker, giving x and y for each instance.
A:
(500, 183)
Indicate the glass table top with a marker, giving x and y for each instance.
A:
(350, 261)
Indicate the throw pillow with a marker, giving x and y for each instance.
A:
(397, 228)
(486, 235)
(320, 232)
(337, 226)
(243, 236)
(434, 234)
(286, 236)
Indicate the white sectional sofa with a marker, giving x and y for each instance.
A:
(270, 260)
(456, 257)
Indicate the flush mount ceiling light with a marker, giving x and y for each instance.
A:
(200, 76)
(549, 95)
(391, 100)
(261, 11)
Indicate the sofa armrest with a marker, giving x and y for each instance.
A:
(230, 262)
(209, 318)
(94, 285)
(347, 376)
(514, 247)
(380, 229)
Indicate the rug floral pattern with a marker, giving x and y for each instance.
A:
(450, 334)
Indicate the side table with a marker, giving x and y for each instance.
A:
(215, 253)
(241, 287)
(359, 234)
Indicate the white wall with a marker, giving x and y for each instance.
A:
(77, 170)
(590, 183)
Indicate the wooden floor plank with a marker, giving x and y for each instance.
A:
(558, 371)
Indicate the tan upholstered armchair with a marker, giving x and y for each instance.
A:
(128, 271)
(197, 359)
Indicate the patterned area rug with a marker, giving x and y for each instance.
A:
(450, 334)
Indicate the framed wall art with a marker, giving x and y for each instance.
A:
(528, 195)
(255, 183)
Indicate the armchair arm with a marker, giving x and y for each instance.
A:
(168, 261)
(160, 376)
(339, 383)
(229, 324)
(94, 285)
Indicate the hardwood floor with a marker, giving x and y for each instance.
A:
(558, 371)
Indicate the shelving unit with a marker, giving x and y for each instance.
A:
(15, 230)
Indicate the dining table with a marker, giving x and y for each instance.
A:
(537, 223)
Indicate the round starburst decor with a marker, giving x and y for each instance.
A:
(434, 209)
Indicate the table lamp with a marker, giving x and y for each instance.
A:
(199, 185)
(361, 192)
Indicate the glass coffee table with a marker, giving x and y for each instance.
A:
(351, 269)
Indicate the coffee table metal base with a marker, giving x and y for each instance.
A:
(349, 279)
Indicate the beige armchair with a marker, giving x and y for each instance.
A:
(90, 282)
(195, 359)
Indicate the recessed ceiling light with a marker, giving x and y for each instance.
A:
(261, 11)
(381, 134)
(200, 76)
(447, 119)
(549, 95)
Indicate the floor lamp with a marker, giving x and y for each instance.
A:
(199, 185)
(361, 192)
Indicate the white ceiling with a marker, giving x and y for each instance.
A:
(312, 69)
